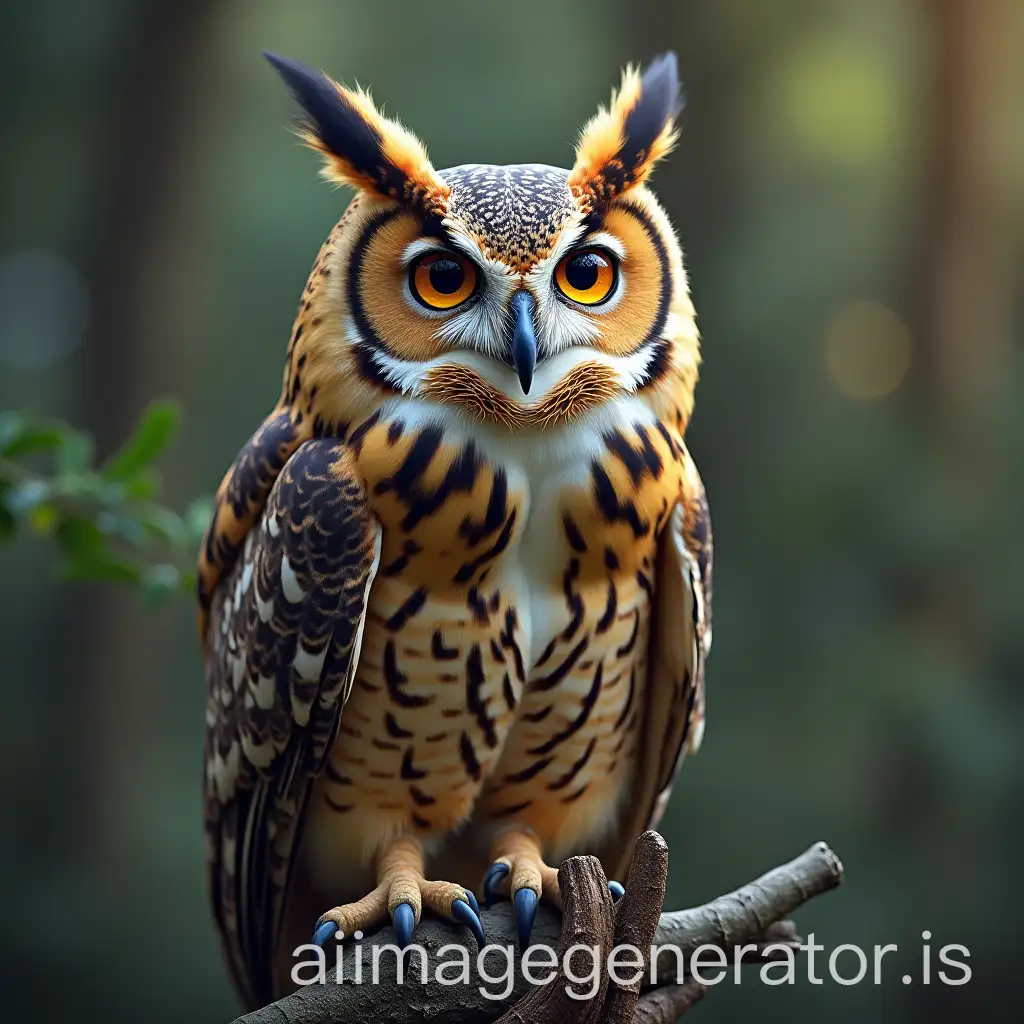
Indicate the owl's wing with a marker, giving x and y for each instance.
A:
(283, 640)
(673, 723)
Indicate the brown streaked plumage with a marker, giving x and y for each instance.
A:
(455, 592)
(513, 213)
(467, 388)
(584, 386)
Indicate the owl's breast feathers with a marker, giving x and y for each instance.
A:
(483, 663)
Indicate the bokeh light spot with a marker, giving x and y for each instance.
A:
(867, 350)
(837, 101)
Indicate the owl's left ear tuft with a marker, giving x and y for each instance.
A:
(362, 148)
(620, 144)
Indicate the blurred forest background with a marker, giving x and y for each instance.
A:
(850, 194)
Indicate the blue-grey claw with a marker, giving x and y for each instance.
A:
(324, 932)
(465, 914)
(525, 910)
(404, 919)
(471, 900)
(617, 891)
(495, 873)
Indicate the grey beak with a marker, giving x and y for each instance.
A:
(524, 340)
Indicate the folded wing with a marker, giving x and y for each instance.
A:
(281, 649)
(673, 723)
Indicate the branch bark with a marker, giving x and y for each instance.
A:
(496, 987)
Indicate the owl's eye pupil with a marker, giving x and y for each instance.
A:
(582, 271)
(446, 276)
(442, 281)
(587, 277)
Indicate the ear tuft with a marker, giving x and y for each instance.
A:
(362, 148)
(620, 145)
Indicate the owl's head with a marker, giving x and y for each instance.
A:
(526, 295)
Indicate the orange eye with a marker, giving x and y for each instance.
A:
(442, 280)
(586, 276)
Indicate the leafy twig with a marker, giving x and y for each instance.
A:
(106, 520)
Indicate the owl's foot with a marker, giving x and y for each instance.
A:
(402, 894)
(520, 871)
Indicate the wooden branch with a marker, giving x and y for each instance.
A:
(666, 1005)
(587, 921)
(499, 986)
(636, 919)
(749, 914)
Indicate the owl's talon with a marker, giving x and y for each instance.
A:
(404, 920)
(525, 910)
(617, 891)
(325, 930)
(495, 874)
(465, 914)
(471, 900)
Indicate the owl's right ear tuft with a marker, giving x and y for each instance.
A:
(361, 147)
(620, 144)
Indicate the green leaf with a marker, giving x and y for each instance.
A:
(143, 485)
(197, 517)
(159, 582)
(159, 423)
(123, 525)
(75, 453)
(78, 536)
(100, 566)
(161, 523)
(32, 437)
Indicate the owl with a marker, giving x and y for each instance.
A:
(455, 594)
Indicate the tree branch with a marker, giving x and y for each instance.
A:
(497, 987)
(668, 1004)
(755, 911)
